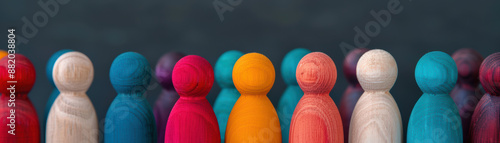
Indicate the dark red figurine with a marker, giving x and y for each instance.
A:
(485, 124)
(466, 93)
(18, 119)
(353, 91)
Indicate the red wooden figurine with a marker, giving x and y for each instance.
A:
(192, 119)
(485, 123)
(18, 119)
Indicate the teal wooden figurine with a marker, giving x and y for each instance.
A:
(293, 93)
(130, 117)
(435, 117)
(228, 95)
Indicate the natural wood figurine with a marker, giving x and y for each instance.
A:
(253, 118)
(48, 72)
(72, 118)
(376, 117)
(316, 117)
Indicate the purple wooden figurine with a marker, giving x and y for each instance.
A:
(168, 95)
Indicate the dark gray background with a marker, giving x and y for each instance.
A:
(102, 29)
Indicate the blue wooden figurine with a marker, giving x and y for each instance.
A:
(435, 117)
(48, 72)
(228, 94)
(292, 93)
(130, 117)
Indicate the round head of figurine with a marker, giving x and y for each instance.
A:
(436, 73)
(193, 77)
(52, 61)
(130, 73)
(316, 73)
(253, 74)
(3, 54)
(164, 69)
(468, 62)
(489, 74)
(73, 72)
(24, 75)
(350, 62)
(224, 68)
(289, 65)
(376, 70)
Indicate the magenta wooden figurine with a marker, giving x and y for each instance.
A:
(192, 119)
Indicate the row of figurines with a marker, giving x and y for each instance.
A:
(306, 113)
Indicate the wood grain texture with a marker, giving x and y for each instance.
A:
(435, 116)
(376, 117)
(130, 118)
(168, 96)
(466, 93)
(353, 90)
(192, 119)
(228, 95)
(316, 117)
(27, 128)
(72, 117)
(253, 118)
(485, 123)
(292, 94)
(48, 72)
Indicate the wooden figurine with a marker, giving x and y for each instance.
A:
(253, 118)
(353, 91)
(316, 117)
(48, 72)
(376, 117)
(17, 114)
(435, 116)
(72, 118)
(192, 119)
(168, 95)
(466, 93)
(485, 123)
(293, 93)
(228, 94)
(130, 118)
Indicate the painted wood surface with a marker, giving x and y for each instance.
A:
(435, 116)
(168, 96)
(48, 71)
(130, 118)
(72, 117)
(466, 93)
(292, 94)
(316, 117)
(353, 90)
(228, 95)
(17, 114)
(485, 123)
(192, 119)
(376, 117)
(253, 118)
(3, 53)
